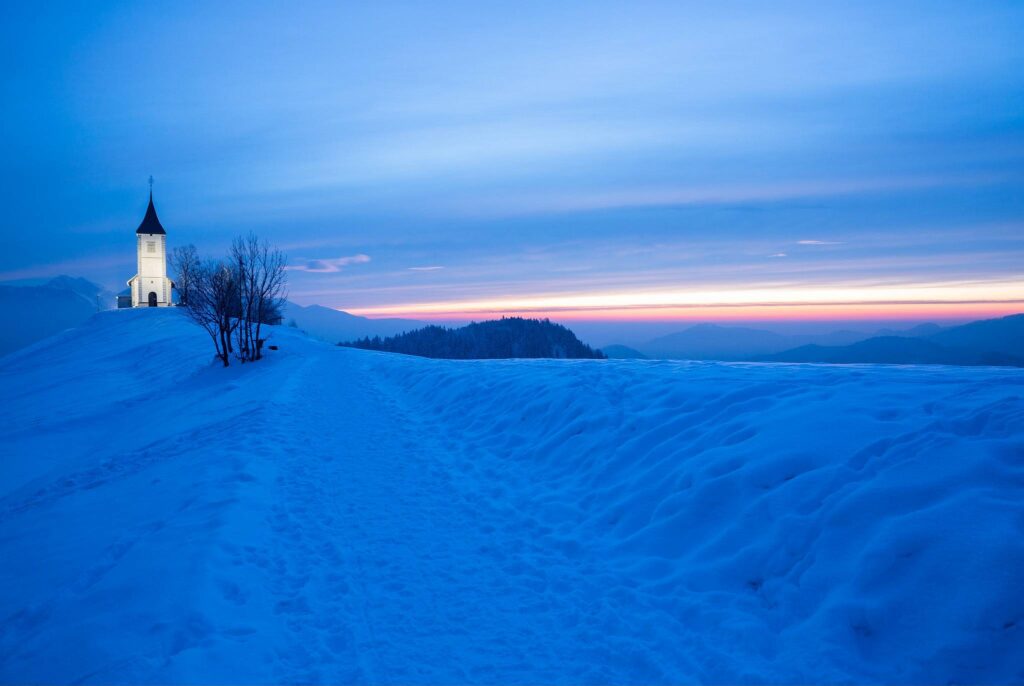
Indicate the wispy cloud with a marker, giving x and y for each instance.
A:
(819, 243)
(778, 254)
(329, 266)
(432, 268)
(726, 194)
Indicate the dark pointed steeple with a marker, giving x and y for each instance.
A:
(150, 223)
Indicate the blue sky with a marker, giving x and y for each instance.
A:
(622, 160)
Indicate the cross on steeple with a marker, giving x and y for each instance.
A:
(151, 186)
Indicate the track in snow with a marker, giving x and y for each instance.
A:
(395, 565)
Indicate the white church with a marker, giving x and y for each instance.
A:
(150, 286)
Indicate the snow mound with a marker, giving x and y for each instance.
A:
(336, 515)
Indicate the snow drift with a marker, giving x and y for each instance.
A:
(339, 515)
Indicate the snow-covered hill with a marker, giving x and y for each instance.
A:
(338, 515)
(335, 326)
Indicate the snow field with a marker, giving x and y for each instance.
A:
(335, 515)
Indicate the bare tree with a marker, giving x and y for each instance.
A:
(211, 302)
(261, 279)
(225, 288)
(233, 299)
(186, 265)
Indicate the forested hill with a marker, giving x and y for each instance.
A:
(509, 337)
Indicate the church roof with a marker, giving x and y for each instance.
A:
(150, 223)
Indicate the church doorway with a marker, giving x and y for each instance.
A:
(152, 299)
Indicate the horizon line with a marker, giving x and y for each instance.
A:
(907, 311)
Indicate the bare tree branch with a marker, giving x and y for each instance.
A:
(232, 299)
(262, 280)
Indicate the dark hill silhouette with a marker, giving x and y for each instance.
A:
(509, 337)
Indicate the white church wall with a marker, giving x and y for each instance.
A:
(152, 271)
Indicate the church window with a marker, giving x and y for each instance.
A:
(150, 246)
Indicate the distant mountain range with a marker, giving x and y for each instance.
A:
(37, 308)
(714, 342)
(985, 342)
(622, 352)
(913, 332)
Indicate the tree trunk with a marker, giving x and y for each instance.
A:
(259, 348)
(224, 348)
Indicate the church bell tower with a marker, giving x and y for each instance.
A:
(150, 286)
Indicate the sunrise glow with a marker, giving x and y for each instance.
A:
(941, 300)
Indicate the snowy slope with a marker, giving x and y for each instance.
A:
(339, 515)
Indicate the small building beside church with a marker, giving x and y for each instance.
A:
(150, 286)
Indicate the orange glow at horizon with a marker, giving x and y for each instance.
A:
(909, 301)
